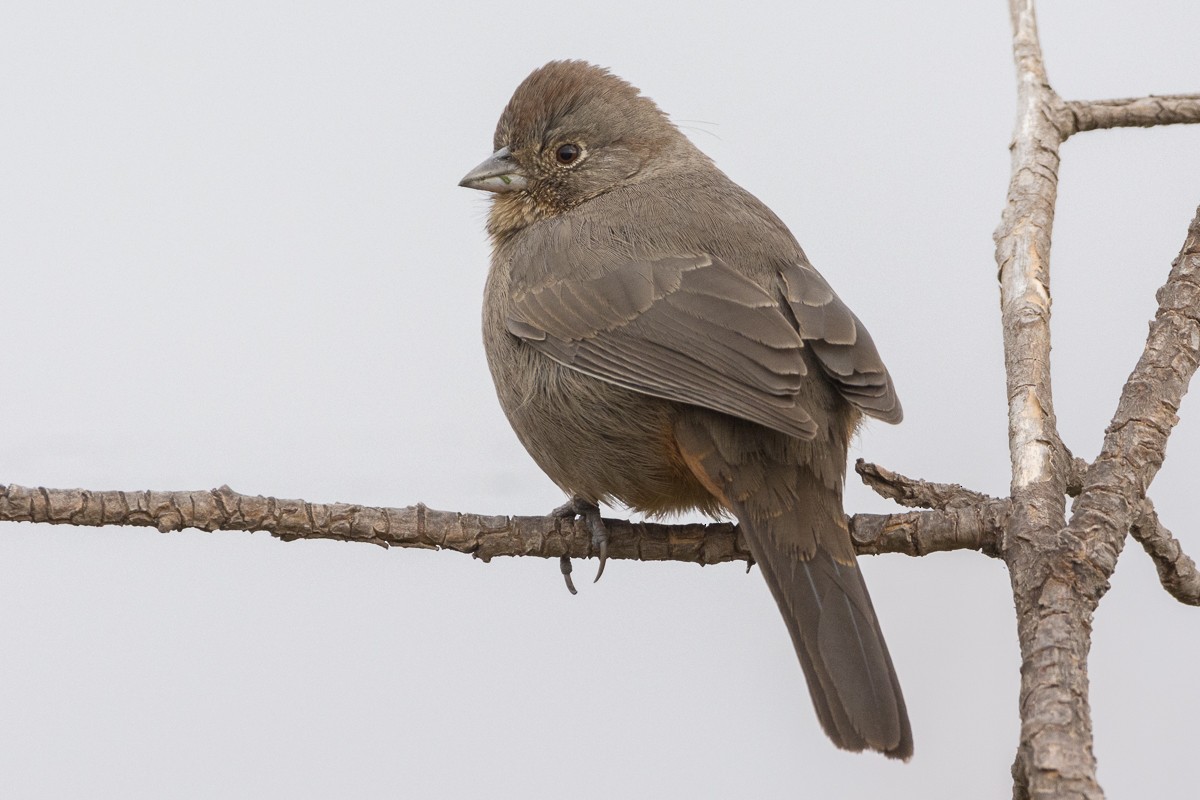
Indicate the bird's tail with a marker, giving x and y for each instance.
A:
(796, 530)
(836, 634)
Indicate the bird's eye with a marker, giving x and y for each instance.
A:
(567, 153)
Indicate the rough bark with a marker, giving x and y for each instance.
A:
(1176, 570)
(916, 493)
(1130, 112)
(1053, 624)
(479, 535)
(1060, 571)
(1059, 579)
(1136, 440)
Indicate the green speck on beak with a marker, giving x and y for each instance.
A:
(500, 173)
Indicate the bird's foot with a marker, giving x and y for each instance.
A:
(579, 507)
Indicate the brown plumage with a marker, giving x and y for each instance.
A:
(658, 339)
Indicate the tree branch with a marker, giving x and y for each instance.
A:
(978, 527)
(1054, 756)
(479, 535)
(1176, 570)
(1131, 112)
(916, 493)
(1136, 440)
(1023, 260)
(1059, 571)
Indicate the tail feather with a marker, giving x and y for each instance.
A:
(802, 545)
(850, 675)
(822, 688)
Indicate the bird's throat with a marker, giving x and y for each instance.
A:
(512, 212)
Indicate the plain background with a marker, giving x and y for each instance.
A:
(232, 250)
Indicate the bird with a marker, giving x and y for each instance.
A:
(659, 340)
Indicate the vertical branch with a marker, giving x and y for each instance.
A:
(1054, 757)
(1023, 259)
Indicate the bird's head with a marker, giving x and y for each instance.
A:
(571, 131)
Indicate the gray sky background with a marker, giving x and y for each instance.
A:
(232, 250)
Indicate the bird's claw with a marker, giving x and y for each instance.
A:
(599, 540)
(578, 507)
(564, 565)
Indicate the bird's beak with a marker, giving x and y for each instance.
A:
(500, 173)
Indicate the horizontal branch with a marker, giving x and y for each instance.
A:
(917, 533)
(479, 535)
(1132, 112)
(1176, 570)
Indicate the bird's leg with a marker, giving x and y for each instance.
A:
(579, 507)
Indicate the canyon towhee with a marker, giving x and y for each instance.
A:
(658, 339)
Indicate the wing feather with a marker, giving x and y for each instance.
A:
(693, 330)
(841, 343)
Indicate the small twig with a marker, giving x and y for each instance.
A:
(1076, 470)
(1130, 112)
(1176, 570)
(915, 493)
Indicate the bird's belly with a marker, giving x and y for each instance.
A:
(598, 440)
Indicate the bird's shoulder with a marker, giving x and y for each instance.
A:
(679, 215)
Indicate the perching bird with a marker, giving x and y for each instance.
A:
(658, 339)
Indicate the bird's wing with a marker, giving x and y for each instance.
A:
(840, 342)
(688, 329)
(693, 330)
